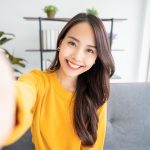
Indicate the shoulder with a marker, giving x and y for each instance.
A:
(35, 75)
(41, 79)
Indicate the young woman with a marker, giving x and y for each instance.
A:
(66, 104)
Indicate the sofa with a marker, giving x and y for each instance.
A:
(128, 119)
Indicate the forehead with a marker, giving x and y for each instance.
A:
(83, 32)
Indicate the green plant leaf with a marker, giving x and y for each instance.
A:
(8, 54)
(92, 11)
(50, 8)
(9, 34)
(16, 70)
(1, 33)
(15, 60)
(4, 40)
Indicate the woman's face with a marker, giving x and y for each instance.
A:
(77, 50)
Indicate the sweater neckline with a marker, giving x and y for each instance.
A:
(59, 86)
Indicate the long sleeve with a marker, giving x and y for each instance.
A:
(26, 91)
(102, 112)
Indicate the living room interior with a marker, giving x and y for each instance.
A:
(33, 38)
(131, 37)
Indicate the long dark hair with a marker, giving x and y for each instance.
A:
(93, 88)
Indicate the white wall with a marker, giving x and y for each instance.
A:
(129, 32)
(144, 62)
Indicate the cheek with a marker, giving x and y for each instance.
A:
(90, 62)
(65, 52)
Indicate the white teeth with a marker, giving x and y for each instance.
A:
(73, 65)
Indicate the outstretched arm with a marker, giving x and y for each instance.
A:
(7, 99)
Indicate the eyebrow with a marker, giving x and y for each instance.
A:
(71, 37)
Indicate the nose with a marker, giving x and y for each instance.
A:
(77, 55)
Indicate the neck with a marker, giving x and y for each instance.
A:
(69, 83)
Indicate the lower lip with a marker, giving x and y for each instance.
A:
(71, 67)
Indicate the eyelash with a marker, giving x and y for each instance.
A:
(90, 51)
(72, 43)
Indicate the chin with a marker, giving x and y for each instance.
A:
(74, 74)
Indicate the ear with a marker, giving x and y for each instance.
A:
(58, 49)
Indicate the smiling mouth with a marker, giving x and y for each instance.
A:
(73, 65)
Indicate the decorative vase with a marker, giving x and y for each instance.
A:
(51, 14)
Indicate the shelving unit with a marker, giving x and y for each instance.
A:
(40, 20)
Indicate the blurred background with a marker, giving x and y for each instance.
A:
(131, 37)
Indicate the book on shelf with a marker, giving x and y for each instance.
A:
(49, 38)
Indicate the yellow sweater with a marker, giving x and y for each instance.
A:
(47, 107)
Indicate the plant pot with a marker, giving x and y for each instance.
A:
(51, 14)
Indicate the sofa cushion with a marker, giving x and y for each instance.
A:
(24, 143)
(128, 125)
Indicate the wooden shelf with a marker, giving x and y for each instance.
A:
(54, 50)
(45, 50)
(42, 19)
(67, 19)
(46, 19)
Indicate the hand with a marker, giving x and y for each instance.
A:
(7, 99)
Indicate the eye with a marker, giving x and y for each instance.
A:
(72, 43)
(90, 51)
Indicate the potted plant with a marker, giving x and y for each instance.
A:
(4, 38)
(92, 11)
(50, 10)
